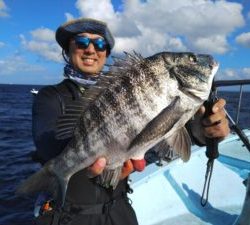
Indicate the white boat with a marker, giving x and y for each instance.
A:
(34, 91)
(171, 194)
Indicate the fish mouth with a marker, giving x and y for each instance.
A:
(192, 95)
(215, 69)
(196, 93)
(187, 91)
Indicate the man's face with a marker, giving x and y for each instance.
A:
(88, 60)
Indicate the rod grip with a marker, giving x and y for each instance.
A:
(211, 143)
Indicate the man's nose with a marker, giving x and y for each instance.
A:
(90, 48)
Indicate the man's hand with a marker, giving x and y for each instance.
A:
(128, 167)
(213, 126)
(97, 167)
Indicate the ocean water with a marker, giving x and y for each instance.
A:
(16, 146)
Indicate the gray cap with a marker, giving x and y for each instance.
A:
(68, 30)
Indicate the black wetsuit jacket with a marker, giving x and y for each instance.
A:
(87, 203)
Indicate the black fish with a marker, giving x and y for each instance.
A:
(136, 105)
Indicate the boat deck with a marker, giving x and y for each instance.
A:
(171, 194)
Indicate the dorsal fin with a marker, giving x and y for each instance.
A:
(121, 64)
(67, 122)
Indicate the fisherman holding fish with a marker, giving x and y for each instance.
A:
(86, 44)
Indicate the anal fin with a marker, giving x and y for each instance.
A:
(109, 177)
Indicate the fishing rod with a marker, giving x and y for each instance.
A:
(211, 146)
(235, 126)
(212, 143)
(239, 131)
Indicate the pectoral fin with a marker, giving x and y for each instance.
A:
(175, 146)
(158, 127)
(181, 143)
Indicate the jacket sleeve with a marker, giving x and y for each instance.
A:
(45, 112)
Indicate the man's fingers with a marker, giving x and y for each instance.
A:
(97, 167)
(219, 105)
(217, 116)
(214, 119)
(219, 130)
(126, 169)
(131, 165)
(200, 112)
(139, 164)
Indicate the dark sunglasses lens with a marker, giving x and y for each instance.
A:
(100, 44)
(82, 41)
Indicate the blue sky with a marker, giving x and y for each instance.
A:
(29, 53)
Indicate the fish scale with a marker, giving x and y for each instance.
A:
(140, 103)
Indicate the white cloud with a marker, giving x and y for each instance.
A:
(217, 44)
(2, 44)
(3, 9)
(69, 16)
(119, 22)
(158, 42)
(16, 64)
(233, 74)
(200, 25)
(153, 25)
(43, 43)
(99, 9)
(43, 34)
(244, 39)
(246, 71)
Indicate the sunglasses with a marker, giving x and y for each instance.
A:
(83, 42)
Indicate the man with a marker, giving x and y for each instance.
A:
(86, 44)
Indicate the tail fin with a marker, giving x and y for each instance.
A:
(45, 181)
(42, 180)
